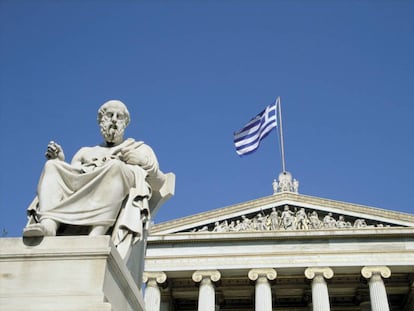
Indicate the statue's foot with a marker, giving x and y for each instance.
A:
(34, 230)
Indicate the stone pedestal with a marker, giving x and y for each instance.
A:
(65, 273)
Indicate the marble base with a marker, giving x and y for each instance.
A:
(65, 273)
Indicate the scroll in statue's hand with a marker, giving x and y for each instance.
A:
(54, 151)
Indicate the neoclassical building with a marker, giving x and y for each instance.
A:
(286, 251)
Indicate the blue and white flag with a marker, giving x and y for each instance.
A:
(247, 140)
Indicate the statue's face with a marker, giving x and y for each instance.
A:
(113, 124)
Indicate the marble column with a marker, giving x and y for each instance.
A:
(377, 292)
(206, 294)
(263, 291)
(320, 295)
(152, 297)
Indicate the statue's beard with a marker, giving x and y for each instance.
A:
(111, 132)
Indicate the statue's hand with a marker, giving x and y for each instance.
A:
(54, 151)
(133, 157)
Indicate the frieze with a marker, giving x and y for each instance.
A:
(287, 218)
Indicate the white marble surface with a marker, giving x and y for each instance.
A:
(65, 273)
(357, 248)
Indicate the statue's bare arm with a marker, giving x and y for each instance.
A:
(78, 159)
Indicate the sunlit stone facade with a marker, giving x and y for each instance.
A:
(283, 252)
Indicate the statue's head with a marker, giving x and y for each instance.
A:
(113, 118)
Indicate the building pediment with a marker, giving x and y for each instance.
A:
(286, 211)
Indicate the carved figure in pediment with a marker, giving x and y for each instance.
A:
(302, 221)
(274, 219)
(260, 222)
(329, 222)
(288, 219)
(218, 227)
(246, 223)
(314, 221)
(203, 229)
(360, 223)
(255, 223)
(341, 223)
(231, 226)
(225, 225)
(238, 227)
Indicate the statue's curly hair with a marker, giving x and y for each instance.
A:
(102, 110)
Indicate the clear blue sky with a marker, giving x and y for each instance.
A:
(193, 72)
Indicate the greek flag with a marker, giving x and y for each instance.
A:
(247, 140)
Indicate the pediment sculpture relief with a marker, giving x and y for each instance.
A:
(289, 218)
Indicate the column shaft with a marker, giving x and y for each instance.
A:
(206, 292)
(263, 295)
(207, 296)
(320, 295)
(263, 290)
(152, 296)
(378, 294)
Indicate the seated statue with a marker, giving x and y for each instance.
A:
(112, 188)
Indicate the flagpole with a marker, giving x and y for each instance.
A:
(282, 145)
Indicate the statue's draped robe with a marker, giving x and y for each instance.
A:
(91, 192)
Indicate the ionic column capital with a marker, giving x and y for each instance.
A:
(268, 273)
(157, 277)
(368, 271)
(213, 275)
(326, 272)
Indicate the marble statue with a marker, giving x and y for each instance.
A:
(261, 222)
(246, 223)
(111, 188)
(329, 221)
(274, 219)
(314, 221)
(301, 220)
(342, 223)
(360, 223)
(285, 183)
(287, 218)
